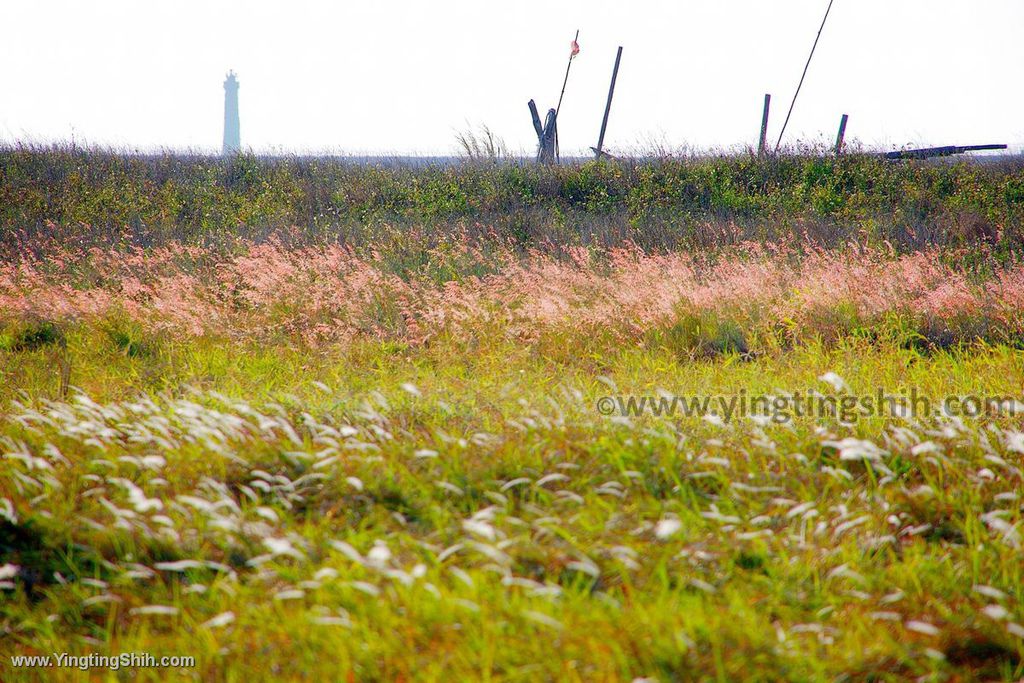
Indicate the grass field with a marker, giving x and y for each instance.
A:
(312, 422)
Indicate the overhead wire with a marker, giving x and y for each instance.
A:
(804, 75)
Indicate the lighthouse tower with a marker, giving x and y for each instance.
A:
(232, 136)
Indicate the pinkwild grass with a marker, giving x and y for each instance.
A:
(331, 294)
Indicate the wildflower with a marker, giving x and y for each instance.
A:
(837, 382)
(995, 612)
(282, 546)
(666, 528)
(160, 610)
(379, 555)
(989, 591)
(220, 621)
(541, 618)
(179, 566)
(290, 594)
(922, 627)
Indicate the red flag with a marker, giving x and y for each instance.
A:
(575, 49)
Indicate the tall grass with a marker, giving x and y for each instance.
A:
(306, 419)
(318, 296)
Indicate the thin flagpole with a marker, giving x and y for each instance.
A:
(565, 82)
(803, 76)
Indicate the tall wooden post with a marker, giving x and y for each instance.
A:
(599, 150)
(764, 125)
(842, 134)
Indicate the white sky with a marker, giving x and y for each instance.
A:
(403, 77)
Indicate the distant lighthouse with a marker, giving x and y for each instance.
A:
(232, 135)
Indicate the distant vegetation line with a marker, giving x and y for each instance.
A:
(104, 198)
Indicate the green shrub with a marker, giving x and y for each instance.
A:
(700, 335)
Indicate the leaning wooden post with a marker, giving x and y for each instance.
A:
(764, 125)
(536, 119)
(608, 106)
(842, 134)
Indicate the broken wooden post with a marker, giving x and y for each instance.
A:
(548, 152)
(764, 125)
(842, 134)
(536, 119)
(930, 152)
(599, 150)
(546, 133)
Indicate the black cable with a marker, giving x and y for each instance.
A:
(804, 75)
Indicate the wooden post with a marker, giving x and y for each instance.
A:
(548, 144)
(536, 119)
(764, 125)
(842, 134)
(547, 134)
(608, 106)
(930, 152)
